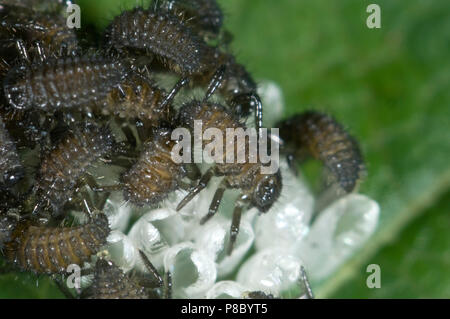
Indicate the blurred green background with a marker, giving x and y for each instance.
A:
(390, 86)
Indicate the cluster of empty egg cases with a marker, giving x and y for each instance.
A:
(62, 95)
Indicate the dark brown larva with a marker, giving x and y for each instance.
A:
(318, 135)
(7, 226)
(110, 282)
(50, 250)
(154, 175)
(11, 169)
(62, 167)
(160, 33)
(204, 16)
(49, 29)
(257, 189)
(63, 83)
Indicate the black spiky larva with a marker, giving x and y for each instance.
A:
(155, 174)
(62, 167)
(63, 83)
(48, 29)
(158, 32)
(258, 190)
(316, 134)
(11, 168)
(110, 282)
(50, 250)
(203, 16)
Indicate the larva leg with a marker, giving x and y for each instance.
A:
(177, 87)
(167, 291)
(215, 82)
(156, 276)
(215, 203)
(236, 221)
(305, 283)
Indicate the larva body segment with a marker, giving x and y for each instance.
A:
(204, 16)
(62, 167)
(63, 83)
(318, 135)
(110, 282)
(155, 174)
(11, 169)
(160, 33)
(143, 100)
(50, 250)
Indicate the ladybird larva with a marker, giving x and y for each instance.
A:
(318, 135)
(11, 169)
(257, 189)
(62, 167)
(155, 174)
(63, 83)
(50, 250)
(160, 33)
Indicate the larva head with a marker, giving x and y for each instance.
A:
(244, 103)
(12, 176)
(267, 190)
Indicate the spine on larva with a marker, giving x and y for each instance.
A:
(164, 35)
(50, 250)
(110, 282)
(63, 83)
(11, 169)
(320, 136)
(155, 174)
(62, 167)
